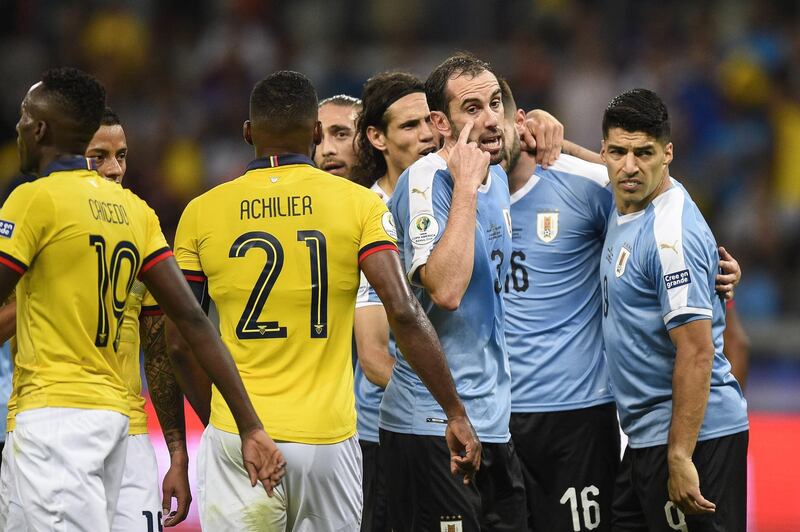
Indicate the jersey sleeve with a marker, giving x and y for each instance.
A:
(428, 208)
(187, 254)
(150, 306)
(378, 232)
(186, 248)
(155, 247)
(26, 218)
(682, 264)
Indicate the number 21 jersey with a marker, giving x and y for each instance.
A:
(280, 249)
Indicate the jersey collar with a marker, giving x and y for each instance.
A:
(72, 162)
(283, 159)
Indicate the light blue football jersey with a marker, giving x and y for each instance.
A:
(554, 327)
(471, 336)
(658, 272)
(368, 395)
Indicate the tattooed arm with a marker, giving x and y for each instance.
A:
(168, 403)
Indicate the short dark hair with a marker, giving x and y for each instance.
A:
(380, 92)
(80, 96)
(110, 118)
(460, 64)
(284, 101)
(638, 110)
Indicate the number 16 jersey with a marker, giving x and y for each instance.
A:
(280, 249)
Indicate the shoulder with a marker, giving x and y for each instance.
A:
(426, 170)
(573, 167)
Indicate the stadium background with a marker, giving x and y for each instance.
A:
(179, 75)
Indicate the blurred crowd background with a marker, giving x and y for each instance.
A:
(179, 75)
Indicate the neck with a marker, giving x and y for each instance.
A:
(267, 151)
(389, 180)
(522, 171)
(53, 154)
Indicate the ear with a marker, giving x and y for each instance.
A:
(668, 153)
(520, 116)
(317, 138)
(603, 150)
(519, 121)
(441, 123)
(40, 131)
(377, 138)
(247, 132)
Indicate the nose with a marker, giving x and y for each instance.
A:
(491, 119)
(111, 169)
(327, 145)
(630, 167)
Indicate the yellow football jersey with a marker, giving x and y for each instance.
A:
(280, 249)
(140, 302)
(79, 242)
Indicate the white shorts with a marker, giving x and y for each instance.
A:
(320, 492)
(68, 465)
(11, 517)
(139, 503)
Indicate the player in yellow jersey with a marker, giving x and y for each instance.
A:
(75, 243)
(139, 506)
(279, 249)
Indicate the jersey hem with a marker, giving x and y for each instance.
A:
(528, 408)
(721, 433)
(293, 437)
(13, 263)
(57, 401)
(483, 437)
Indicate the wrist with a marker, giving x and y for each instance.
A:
(456, 411)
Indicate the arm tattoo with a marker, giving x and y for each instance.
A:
(164, 390)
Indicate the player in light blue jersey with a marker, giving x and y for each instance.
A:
(394, 130)
(563, 417)
(453, 222)
(662, 323)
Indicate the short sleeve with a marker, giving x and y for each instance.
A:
(378, 232)
(429, 200)
(25, 220)
(155, 247)
(150, 306)
(682, 264)
(186, 248)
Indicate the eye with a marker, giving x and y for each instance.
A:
(495, 103)
(472, 109)
(342, 135)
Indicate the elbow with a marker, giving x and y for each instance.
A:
(448, 300)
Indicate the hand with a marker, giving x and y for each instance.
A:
(468, 164)
(176, 486)
(684, 488)
(262, 460)
(465, 448)
(543, 135)
(730, 276)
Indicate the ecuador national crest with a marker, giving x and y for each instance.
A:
(547, 225)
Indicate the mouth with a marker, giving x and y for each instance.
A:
(629, 185)
(333, 167)
(491, 144)
(430, 149)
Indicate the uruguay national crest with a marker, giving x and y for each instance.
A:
(622, 260)
(547, 225)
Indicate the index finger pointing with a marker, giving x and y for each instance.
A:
(464, 135)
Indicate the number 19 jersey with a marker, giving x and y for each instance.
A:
(79, 242)
(280, 249)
